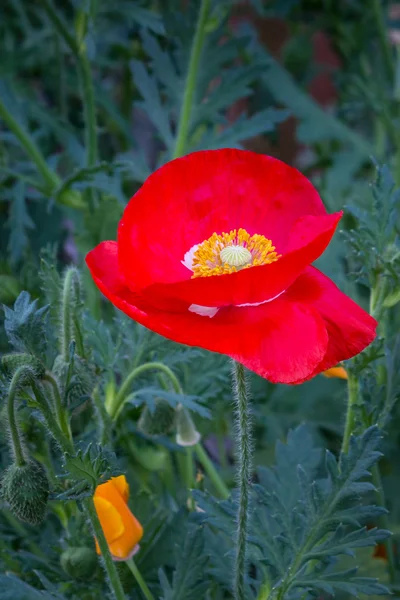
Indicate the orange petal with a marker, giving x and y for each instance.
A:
(110, 519)
(121, 540)
(339, 372)
(122, 486)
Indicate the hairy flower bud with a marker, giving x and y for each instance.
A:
(11, 362)
(26, 489)
(158, 422)
(79, 563)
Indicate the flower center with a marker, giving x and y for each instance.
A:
(231, 252)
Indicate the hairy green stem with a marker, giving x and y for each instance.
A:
(352, 400)
(190, 85)
(109, 565)
(244, 450)
(384, 39)
(211, 471)
(116, 403)
(139, 579)
(67, 314)
(65, 444)
(61, 413)
(15, 385)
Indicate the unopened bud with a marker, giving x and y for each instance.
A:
(11, 362)
(186, 432)
(158, 422)
(26, 489)
(79, 563)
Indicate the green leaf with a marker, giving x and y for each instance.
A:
(242, 129)
(25, 325)
(12, 588)
(189, 580)
(90, 466)
(304, 513)
(152, 104)
(19, 223)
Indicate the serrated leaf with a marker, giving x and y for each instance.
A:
(243, 128)
(25, 325)
(189, 581)
(19, 222)
(152, 104)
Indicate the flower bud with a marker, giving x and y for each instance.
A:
(11, 362)
(186, 433)
(158, 422)
(26, 489)
(79, 563)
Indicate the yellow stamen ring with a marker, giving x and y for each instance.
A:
(231, 252)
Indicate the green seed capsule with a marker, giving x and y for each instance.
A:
(26, 490)
(79, 563)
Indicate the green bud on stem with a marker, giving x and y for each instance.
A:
(26, 489)
(79, 562)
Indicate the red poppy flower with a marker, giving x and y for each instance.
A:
(214, 251)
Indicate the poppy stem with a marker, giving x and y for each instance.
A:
(109, 565)
(61, 413)
(244, 450)
(115, 405)
(139, 579)
(211, 471)
(15, 439)
(190, 85)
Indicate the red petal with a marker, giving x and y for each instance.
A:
(350, 328)
(283, 341)
(184, 202)
(308, 239)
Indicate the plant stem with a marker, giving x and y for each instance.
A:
(383, 39)
(139, 579)
(190, 85)
(48, 176)
(115, 405)
(61, 413)
(89, 108)
(15, 385)
(353, 389)
(244, 451)
(109, 565)
(377, 481)
(65, 444)
(211, 471)
(67, 317)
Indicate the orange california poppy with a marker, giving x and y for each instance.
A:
(122, 530)
(339, 372)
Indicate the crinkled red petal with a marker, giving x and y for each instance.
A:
(184, 202)
(284, 340)
(308, 239)
(350, 328)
